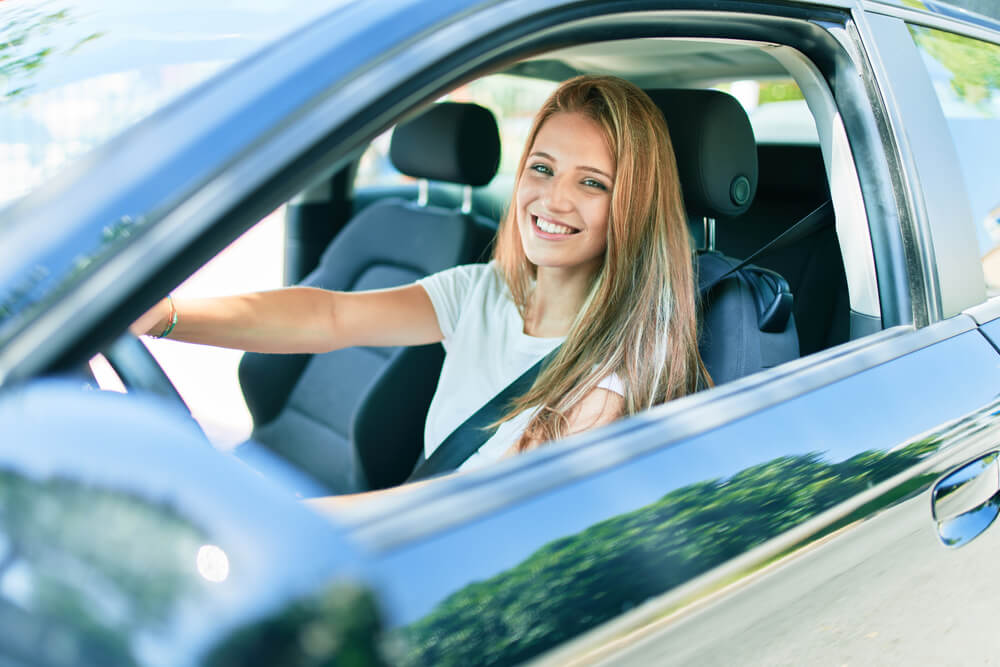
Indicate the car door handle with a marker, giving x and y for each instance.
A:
(967, 500)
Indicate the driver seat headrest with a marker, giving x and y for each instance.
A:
(715, 148)
(451, 141)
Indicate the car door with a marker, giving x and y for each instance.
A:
(832, 510)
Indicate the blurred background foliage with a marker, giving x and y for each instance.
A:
(779, 91)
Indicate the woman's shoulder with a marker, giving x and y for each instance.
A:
(458, 279)
(466, 273)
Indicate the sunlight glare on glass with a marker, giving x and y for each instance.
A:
(213, 564)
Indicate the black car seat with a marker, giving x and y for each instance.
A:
(747, 322)
(792, 181)
(314, 409)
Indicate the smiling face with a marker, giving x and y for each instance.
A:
(564, 195)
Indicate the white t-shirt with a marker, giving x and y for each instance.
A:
(486, 349)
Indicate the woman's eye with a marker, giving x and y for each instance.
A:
(541, 169)
(592, 183)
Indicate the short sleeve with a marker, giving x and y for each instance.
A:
(613, 383)
(448, 291)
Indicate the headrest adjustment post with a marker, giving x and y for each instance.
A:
(709, 237)
(466, 199)
(423, 192)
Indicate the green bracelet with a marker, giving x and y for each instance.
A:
(173, 317)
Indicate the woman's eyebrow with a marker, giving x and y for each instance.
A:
(595, 170)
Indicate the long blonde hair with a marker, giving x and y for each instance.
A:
(639, 319)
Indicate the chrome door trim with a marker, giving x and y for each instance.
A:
(985, 312)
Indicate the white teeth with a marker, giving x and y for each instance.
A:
(553, 228)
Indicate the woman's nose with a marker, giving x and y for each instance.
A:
(557, 195)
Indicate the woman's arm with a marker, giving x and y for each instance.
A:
(300, 319)
(599, 407)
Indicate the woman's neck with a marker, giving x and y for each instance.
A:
(555, 302)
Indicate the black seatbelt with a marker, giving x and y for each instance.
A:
(471, 434)
(817, 219)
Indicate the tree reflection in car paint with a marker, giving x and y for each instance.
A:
(22, 52)
(577, 582)
(60, 271)
(338, 626)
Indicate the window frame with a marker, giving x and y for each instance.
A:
(931, 183)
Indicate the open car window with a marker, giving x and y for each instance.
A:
(793, 180)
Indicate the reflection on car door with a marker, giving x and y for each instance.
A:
(781, 521)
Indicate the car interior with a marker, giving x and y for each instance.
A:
(443, 200)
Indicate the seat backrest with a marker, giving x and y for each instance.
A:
(793, 182)
(311, 409)
(746, 322)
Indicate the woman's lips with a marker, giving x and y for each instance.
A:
(551, 229)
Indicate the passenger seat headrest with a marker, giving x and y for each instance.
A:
(715, 148)
(451, 141)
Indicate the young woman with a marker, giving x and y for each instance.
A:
(592, 257)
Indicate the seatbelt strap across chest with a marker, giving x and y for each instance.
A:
(471, 434)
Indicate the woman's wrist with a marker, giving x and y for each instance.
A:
(155, 321)
(171, 320)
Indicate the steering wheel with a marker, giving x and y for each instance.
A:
(139, 370)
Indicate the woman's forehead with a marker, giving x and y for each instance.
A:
(572, 136)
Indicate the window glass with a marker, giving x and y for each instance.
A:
(513, 100)
(966, 76)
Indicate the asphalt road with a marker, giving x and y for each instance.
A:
(884, 592)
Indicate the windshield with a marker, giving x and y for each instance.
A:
(75, 73)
